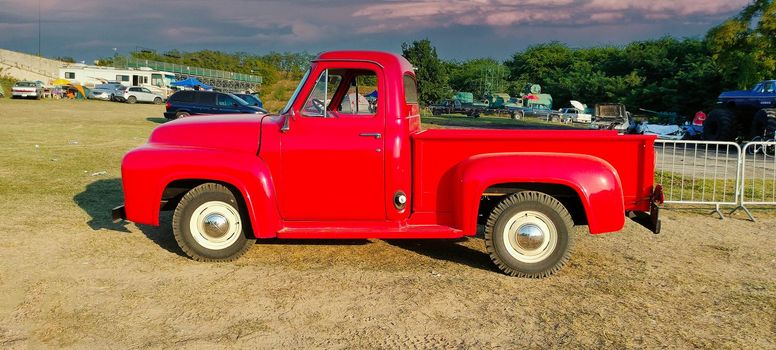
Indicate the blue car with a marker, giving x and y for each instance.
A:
(189, 102)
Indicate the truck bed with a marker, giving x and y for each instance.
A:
(437, 152)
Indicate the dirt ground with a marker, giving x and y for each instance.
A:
(71, 278)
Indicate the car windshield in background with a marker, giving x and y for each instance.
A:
(239, 100)
(252, 100)
(25, 84)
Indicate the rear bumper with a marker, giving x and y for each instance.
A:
(119, 214)
(169, 115)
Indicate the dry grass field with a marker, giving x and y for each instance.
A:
(70, 278)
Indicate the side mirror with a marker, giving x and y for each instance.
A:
(287, 121)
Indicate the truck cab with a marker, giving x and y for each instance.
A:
(333, 164)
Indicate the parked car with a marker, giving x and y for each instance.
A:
(135, 94)
(575, 114)
(536, 111)
(322, 170)
(194, 102)
(26, 89)
(106, 92)
(252, 100)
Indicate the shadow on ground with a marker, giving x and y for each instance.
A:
(448, 250)
(157, 120)
(101, 196)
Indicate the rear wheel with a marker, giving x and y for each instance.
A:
(208, 225)
(719, 125)
(528, 234)
(517, 115)
(131, 99)
(181, 115)
(764, 123)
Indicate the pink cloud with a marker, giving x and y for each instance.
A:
(408, 15)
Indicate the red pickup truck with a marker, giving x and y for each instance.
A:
(347, 158)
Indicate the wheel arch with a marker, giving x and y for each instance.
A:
(245, 174)
(595, 183)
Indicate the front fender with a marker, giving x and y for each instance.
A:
(147, 170)
(594, 180)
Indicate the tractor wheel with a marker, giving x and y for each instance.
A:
(209, 226)
(764, 123)
(720, 125)
(528, 234)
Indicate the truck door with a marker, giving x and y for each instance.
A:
(333, 165)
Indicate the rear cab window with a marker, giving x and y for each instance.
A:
(410, 89)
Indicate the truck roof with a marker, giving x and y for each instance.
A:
(389, 61)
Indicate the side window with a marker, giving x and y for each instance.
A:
(184, 96)
(410, 89)
(69, 75)
(343, 92)
(207, 99)
(770, 88)
(361, 97)
(321, 94)
(225, 100)
(134, 89)
(145, 90)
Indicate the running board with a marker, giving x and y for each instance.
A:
(407, 232)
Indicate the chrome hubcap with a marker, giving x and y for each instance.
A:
(530, 236)
(215, 225)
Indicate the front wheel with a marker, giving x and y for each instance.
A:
(158, 101)
(528, 234)
(208, 225)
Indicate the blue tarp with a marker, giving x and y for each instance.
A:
(372, 94)
(191, 82)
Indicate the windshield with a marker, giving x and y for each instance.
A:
(296, 92)
(239, 100)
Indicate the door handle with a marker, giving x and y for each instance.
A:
(376, 135)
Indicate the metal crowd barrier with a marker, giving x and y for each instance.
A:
(758, 175)
(699, 172)
(717, 173)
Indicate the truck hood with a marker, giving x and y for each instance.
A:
(233, 132)
(735, 93)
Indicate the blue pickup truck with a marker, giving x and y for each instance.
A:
(743, 111)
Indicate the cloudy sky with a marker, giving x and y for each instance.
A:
(87, 29)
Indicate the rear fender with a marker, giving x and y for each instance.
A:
(245, 172)
(594, 180)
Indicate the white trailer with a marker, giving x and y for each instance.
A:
(89, 76)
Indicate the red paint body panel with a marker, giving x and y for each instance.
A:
(593, 179)
(321, 178)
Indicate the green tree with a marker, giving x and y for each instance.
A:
(431, 73)
(744, 50)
